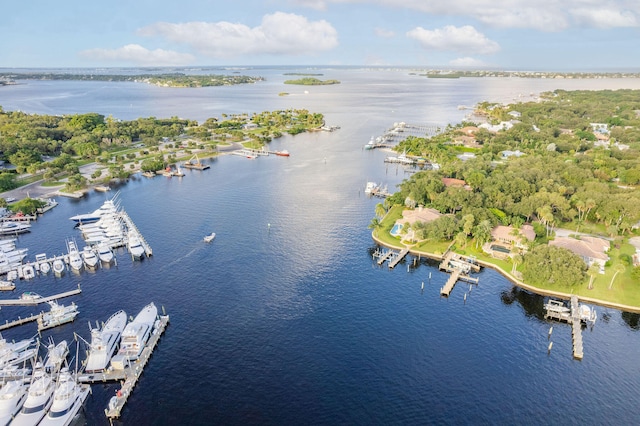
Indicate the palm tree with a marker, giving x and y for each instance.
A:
(618, 268)
(375, 224)
(517, 259)
(592, 272)
(380, 210)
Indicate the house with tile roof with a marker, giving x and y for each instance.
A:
(591, 249)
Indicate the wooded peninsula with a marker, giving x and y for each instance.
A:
(567, 164)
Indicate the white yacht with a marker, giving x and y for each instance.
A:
(11, 228)
(104, 253)
(43, 265)
(12, 396)
(67, 400)
(90, 258)
(56, 355)
(58, 267)
(59, 314)
(104, 342)
(75, 260)
(135, 245)
(39, 399)
(107, 208)
(135, 336)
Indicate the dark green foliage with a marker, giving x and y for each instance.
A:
(553, 265)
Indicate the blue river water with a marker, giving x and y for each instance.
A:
(285, 318)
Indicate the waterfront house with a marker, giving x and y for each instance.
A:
(409, 217)
(591, 249)
(514, 237)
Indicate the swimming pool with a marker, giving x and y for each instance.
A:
(395, 231)
(501, 249)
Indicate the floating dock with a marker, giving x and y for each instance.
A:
(130, 374)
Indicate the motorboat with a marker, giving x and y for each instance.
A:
(28, 272)
(7, 285)
(104, 342)
(59, 314)
(12, 275)
(90, 257)
(107, 208)
(43, 265)
(11, 228)
(135, 336)
(30, 295)
(75, 260)
(68, 397)
(135, 245)
(210, 237)
(56, 355)
(104, 253)
(58, 267)
(18, 346)
(12, 396)
(588, 314)
(283, 153)
(39, 399)
(16, 357)
(370, 188)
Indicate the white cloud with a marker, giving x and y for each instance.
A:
(384, 33)
(134, 53)
(278, 34)
(544, 15)
(467, 62)
(460, 39)
(604, 18)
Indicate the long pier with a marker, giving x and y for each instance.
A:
(132, 226)
(33, 302)
(130, 374)
(576, 328)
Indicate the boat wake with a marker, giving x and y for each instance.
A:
(180, 259)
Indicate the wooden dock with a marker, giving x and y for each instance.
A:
(397, 257)
(576, 328)
(130, 374)
(19, 321)
(33, 302)
(459, 266)
(384, 256)
(132, 226)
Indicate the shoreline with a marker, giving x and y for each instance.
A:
(518, 283)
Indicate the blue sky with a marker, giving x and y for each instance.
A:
(554, 35)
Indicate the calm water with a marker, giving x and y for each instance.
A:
(293, 323)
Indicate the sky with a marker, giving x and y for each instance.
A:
(548, 35)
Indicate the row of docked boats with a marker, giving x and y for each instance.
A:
(51, 395)
(131, 337)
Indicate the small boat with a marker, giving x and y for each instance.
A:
(12, 275)
(56, 355)
(588, 315)
(104, 342)
(75, 259)
(43, 264)
(59, 314)
(135, 245)
(28, 272)
(135, 336)
(6, 285)
(12, 396)
(102, 188)
(30, 295)
(283, 153)
(371, 144)
(39, 399)
(89, 257)
(104, 252)
(68, 397)
(210, 237)
(58, 267)
(370, 188)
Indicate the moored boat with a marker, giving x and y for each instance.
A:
(39, 399)
(135, 245)
(104, 252)
(56, 355)
(68, 397)
(58, 267)
(75, 260)
(12, 396)
(135, 336)
(104, 342)
(89, 257)
(283, 153)
(58, 315)
(11, 228)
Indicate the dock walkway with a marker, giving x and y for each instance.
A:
(384, 257)
(397, 257)
(33, 302)
(19, 321)
(576, 328)
(132, 226)
(459, 266)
